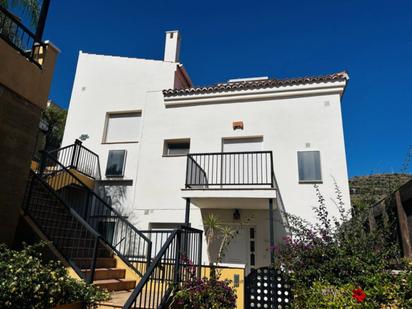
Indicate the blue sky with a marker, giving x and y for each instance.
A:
(372, 40)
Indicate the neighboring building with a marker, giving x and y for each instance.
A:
(26, 70)
(162, 142)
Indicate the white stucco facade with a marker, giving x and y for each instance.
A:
(287, 119)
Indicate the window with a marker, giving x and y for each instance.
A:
(309, 166)
(115, 163)
(122, 127)
(242, 144)
(176, 147)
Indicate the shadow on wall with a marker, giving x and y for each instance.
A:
(118, 195)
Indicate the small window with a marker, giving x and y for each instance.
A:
(115, 163)
(309, 166)
(176, 147)
(122, 127)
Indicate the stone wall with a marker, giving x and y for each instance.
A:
(19, 120)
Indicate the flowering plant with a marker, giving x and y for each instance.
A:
(338, 263)
(27, 282)
(359, 295)
(203, 293)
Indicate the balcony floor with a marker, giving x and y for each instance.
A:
(236, 198)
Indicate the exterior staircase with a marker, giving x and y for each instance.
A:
(61, 225)
(61, 204)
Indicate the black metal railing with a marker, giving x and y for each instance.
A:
(20, 37)
(116, 231)
(158, 239)
(74, 156)
(168, 269)
(72, 236)
(229, 170)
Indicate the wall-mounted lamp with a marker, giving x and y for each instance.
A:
(236, 214)
(83, 137)
(237, 125)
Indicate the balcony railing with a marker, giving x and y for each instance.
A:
(74, 156)
(230, 170)
(20, 37)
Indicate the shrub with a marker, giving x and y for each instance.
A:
(27, 282)
(330, 261)
(204, 293)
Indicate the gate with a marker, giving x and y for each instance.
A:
(267, 288)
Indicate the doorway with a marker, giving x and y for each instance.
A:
(242, 247)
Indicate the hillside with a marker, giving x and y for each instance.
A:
(373, 188)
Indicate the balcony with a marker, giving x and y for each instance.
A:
(230, 179)
(17, 35)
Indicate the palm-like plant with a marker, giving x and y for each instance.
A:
(9, 30)
(214, 230)
(29, 8)
(227, 235)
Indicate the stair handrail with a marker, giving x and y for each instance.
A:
(105, 204)
(97, 236)
(176, 236)
(150, 271)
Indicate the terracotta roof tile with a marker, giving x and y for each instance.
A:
(257, 84)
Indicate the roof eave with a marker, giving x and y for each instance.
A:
(335, 87)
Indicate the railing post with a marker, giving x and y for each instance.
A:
(272, 172)
(177, 260)
(76, 154)
(43, 163)
(42, 20)
(187, 170)
(199, 257)
(93, 265)
(149, 254)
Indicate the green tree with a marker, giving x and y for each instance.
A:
(56, 120)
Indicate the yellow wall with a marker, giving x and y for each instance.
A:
(228, 273)
(60, 180)
(26, 78)
(130, 273)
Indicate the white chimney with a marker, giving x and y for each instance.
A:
(172, 46)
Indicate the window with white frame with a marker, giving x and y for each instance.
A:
(122, 127)
(177, 147)
(116, 163)
(309, 166)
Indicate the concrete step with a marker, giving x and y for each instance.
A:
(107, 273)
(116, 284)
(117, 300)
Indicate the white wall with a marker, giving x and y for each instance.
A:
(108, 84)
(286, 125)
(111, 84)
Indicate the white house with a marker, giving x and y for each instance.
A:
(143, 117)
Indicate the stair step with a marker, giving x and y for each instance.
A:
(116, 284)
(107, 273)
(100, 262)
(117, 300)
